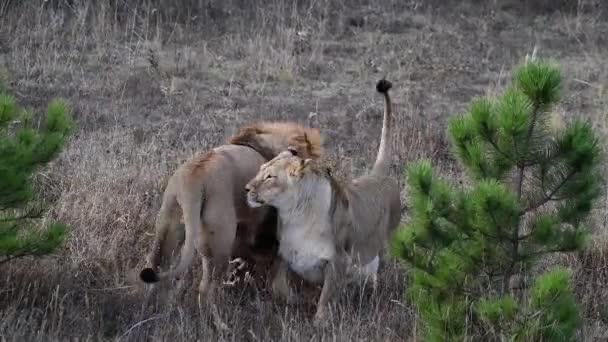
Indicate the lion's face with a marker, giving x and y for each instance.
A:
(276, 180)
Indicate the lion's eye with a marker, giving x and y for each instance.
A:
(268, 177)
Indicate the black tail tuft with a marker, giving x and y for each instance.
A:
(147, 275)
(383, 86)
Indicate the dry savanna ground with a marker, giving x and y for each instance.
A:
(152, 82)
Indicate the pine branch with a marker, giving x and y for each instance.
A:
(522, 166)
(33, 213)
(526, 236)
(23, 150)
(520, 180)
(12, 257)
(498, 149)
(549, 197)
(545, 251)
(500, 235)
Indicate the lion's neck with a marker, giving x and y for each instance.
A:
(305, 238)
(310, 207)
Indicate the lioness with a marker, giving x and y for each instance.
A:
(325, 227)
(208, 189)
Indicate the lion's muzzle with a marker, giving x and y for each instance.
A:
(253, 199)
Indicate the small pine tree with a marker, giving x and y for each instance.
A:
(532, 189)
(24, 148)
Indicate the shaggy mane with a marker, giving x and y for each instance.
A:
(270, 138)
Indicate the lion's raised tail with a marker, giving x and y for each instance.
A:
(191, 208)
(382, 164)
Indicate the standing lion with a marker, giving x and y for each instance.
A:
(208, 190)
(328, 229)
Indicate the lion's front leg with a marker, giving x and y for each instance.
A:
(334, 269)
(280, 286)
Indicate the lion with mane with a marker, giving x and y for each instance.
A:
(208, 192)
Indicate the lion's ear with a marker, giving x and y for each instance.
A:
(304, 163)
(293, 150)
(298, 169)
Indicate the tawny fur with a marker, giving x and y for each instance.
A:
(325, 227)
(208, 190)
(263, 138)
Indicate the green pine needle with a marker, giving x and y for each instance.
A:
(532, 191)
(23, 150)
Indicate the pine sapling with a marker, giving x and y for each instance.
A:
(26, 146)
(532, 189)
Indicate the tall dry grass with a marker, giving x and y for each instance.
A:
(151, 82)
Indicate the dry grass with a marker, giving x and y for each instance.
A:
(152, 83)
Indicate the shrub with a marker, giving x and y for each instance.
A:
(531, 190)
(25, 146)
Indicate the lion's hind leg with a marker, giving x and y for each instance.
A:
(220, 224)
(219, 232)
